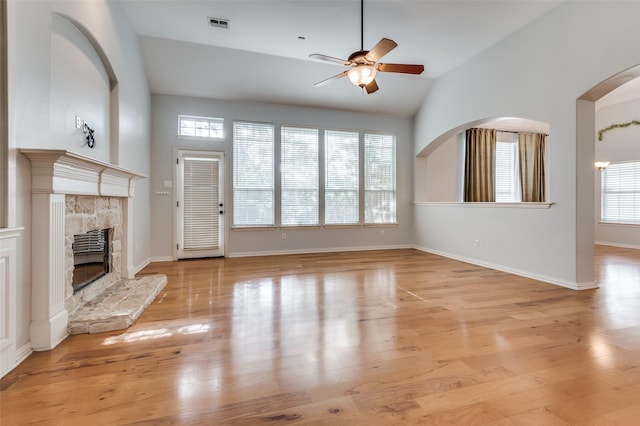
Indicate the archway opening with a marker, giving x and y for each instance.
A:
(587, 175)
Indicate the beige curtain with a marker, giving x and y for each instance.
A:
(531, 162)
(479, 176)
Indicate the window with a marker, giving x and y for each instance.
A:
(253, 170)
(299, 176)
(621, 193)
(342, 178)
(202, 127)
(507, 188)
(379, 178)
(304, 198)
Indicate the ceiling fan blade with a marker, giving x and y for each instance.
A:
(402, 68)
(329, 59)
(371, 87)
(383, 47)
(330, 79)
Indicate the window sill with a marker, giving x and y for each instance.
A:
(302, 227)
(345, 226)
(489, 205)
(253, 228)
(313, 227)
(619, 224)
(200, 138)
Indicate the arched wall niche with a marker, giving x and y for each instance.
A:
(84, 85)
(440, 165)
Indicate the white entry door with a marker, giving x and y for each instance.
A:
(200, 204)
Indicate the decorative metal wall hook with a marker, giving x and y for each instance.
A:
(88, 134)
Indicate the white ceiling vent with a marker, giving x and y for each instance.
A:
(218, 23)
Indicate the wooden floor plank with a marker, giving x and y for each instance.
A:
(394, 337)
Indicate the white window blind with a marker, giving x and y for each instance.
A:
(253, 181)
(204, 127)
(299, 176)
(506, 179)
(341, 177)
(621, 193)
(379, 178)
(201, 199)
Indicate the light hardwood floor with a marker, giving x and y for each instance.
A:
(386, 337)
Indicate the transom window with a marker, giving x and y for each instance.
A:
(202, 127)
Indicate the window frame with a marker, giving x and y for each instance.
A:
(359, 185)
(281, 189)
(196, 118)
(234, 186)
(515, 175)
(635, 193)
(365, 191)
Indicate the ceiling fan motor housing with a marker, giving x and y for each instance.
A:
(359, 58)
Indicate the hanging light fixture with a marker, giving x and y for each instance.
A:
(362, 75)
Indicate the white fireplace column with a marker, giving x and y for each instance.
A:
(54, 174)
(49, 318)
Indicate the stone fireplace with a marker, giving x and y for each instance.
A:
(83, 215)
(73, 194)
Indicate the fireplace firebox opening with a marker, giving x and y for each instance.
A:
(90, 257)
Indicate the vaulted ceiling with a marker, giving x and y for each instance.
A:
(263, 56)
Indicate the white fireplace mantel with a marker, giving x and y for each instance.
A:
(54, 174)
(58, 171)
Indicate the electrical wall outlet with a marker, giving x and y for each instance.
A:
(382, 232)
(284, 235)
(78, 122)
(476, 243)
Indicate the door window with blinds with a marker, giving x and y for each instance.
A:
(379, 178)
(200, 204)
(299, 176)
(342, 177)
(253, 174)
(621, 193)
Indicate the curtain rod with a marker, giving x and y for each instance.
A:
(516, 132)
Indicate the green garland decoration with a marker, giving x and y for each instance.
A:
(617, 126)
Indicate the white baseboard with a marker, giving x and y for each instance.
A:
(146, 263)
(567, 284)
(317, 250)
(161, 259)
(141, 266)
(629, 246)
(23, 352)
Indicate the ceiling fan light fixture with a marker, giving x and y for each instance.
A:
(362, 75)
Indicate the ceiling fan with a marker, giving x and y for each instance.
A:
(363, 64)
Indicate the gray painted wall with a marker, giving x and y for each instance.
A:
(165, 111)
(537, 73)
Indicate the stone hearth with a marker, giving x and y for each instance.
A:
(117, 307)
